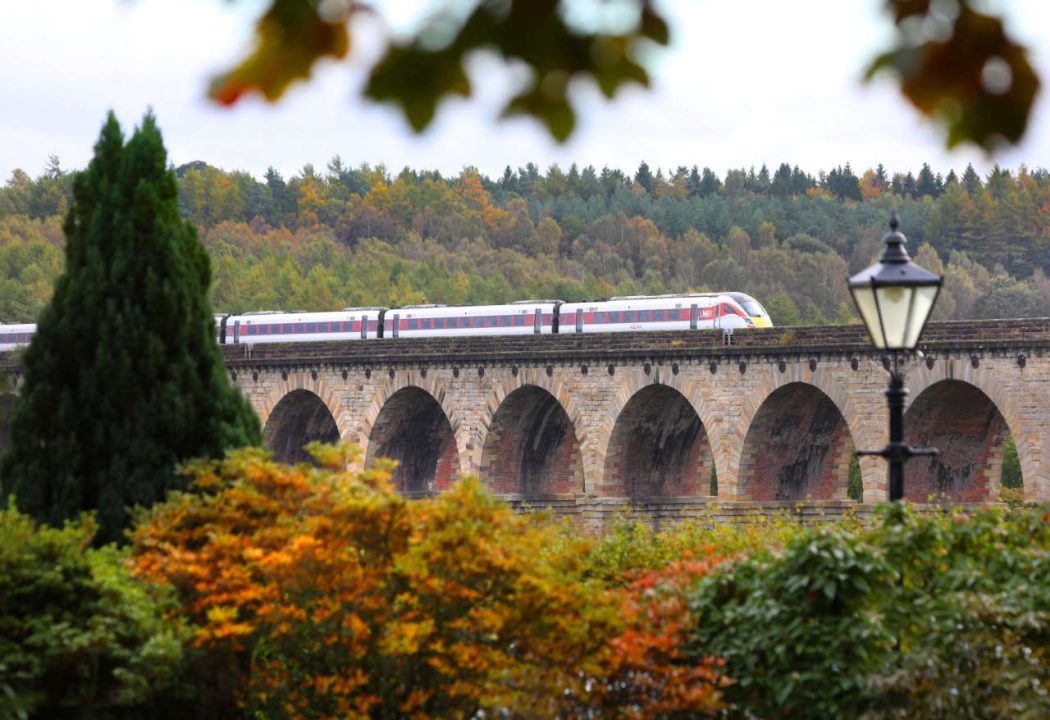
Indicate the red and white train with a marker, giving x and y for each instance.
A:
(637, 313)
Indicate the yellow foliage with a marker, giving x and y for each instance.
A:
(335, 596)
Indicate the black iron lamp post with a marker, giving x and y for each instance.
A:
(895, 298)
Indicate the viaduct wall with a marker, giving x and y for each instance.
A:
(588, 424)
(594, 421)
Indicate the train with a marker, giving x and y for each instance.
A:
(634, 313)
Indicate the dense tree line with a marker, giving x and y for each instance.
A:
(342, 236)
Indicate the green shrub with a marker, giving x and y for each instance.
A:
(936, 616)
(630, 546)
(80, 637)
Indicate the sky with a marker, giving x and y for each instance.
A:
(745, 82)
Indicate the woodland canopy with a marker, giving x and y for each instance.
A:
(347, 236)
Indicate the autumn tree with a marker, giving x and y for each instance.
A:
(123, 379)
(324, 593)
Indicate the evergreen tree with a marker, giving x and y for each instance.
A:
(971, 180)
(123, 379)
(644, 177)
(801, 182)
(927, 183)
(693, 182)
(882, 181)
(781, 183)
(709, 183)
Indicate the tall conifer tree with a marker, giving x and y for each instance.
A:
(123, 379)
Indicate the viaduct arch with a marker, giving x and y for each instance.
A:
(591, 421)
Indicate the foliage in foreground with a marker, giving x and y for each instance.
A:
(80, 637)
(123, 379)
(323, 593)
(630, 548)
(938, 616)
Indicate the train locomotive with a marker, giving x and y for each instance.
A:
(635, 313)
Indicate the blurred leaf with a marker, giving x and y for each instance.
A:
(417, 73)
(416, 79)
(290, 38)
(978, 81)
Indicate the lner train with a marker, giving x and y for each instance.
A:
(730, 310)
(538, 317)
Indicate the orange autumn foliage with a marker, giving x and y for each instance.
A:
(644, 673)
(319, 592)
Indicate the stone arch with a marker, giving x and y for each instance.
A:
(413, 429)
(277, 389)
(798, 446)
(961, 421)
(658, 447)
(300, 417)
(386, 387)
(531, 447)
(1013, 407)
(697, 390)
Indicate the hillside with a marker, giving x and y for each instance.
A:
(362, 236)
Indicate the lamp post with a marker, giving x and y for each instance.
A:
(895, 298)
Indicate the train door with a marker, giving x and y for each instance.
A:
(537, 326)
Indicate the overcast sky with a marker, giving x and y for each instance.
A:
(745, 82)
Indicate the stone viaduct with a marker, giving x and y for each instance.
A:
(776, 413)
(576, 422)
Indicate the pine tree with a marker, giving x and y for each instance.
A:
(123, 379)
(927, 183)
(971, 180)
(644, 177)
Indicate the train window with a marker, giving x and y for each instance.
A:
(413, 324)
(284, 328)
(614, 317)
(643, 315)
(753, 308)
(658, 315)
(519, 319)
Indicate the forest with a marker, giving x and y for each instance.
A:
(359, 236)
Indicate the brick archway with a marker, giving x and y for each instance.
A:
(658, 447)
(531, 447)
(1019, 409)
(413, 429)
(299, 418)
(798, 446)
(961, 421)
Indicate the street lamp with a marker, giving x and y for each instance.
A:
(895, 298)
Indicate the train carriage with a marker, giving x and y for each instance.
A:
(13, 336)
(644, 313)
(275, 327)
(537, 317)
